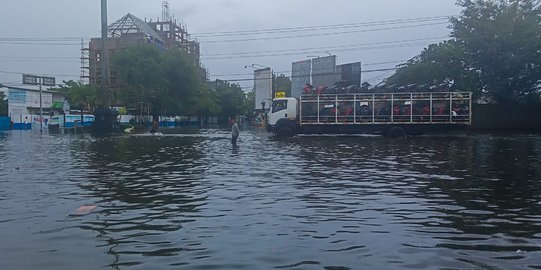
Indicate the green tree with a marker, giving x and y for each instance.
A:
(79, 95)
(494, 52)
(231, 99)
(3, 105)
(282, 84)
(167, 80)
(443, 63)
(502, 40)
(207, 103)
(249, 103)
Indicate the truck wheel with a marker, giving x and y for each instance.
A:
(396, 132)
(285, 132)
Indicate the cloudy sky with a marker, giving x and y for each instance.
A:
(44, 36)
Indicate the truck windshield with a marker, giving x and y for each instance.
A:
(279, 105)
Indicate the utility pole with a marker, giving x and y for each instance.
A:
(39, 80)
(40, 106)
(104, 52)
(105, 116)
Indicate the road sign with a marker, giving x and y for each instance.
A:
(280, 95)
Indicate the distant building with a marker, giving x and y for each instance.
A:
(131, 31)
(323, 71)
(23, 104)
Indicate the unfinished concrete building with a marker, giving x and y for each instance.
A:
(131, 31)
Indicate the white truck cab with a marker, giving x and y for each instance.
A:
(283, 108)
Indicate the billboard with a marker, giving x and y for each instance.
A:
(263, 88)
(350, 73)
(300, 76)
(324, 71)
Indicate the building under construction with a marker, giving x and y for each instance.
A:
(132, 31)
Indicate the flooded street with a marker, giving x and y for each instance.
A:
(191, 201)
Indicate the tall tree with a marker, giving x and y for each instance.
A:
(443, 63)
(495, 51)
(167, 81)
(79, 95)
(231, 98)
(249, 103)
(282, 84)
(207, 103)
(502, 40)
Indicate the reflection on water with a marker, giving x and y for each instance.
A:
(191, 201)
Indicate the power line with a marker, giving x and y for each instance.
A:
(321, 74)
(318, 28)
(308, 52)
(43, 39)
(40, 60)
(56, 75)
(323, 34)
(324, 48)
(38, 57)
(38, 43)
(289, 72)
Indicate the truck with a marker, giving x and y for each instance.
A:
(388, 114)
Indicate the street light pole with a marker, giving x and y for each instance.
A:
(40, 105)
(104, 52)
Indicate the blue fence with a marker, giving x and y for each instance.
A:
(5, 123)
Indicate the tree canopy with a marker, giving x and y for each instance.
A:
(231, 99)
(495, 51)
(79, 95)
(168, 81)
(282, 84)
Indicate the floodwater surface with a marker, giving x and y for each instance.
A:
(191, 201)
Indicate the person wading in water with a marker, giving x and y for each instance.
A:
(234, 132)
(155, 127)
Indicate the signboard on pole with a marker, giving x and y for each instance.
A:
(30, 79)
(324, 71)
(351, 73)
(301, 72)
(48, 81)
(263, 88)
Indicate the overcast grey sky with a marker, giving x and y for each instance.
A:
(76, 19)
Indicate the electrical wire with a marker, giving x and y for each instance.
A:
(331, 48)
(318, 28)
(56, 75)
(289, 71)
(320, 74)
(321, 34)
(315, 52)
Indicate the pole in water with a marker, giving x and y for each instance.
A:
(40, 107)
(104, 51)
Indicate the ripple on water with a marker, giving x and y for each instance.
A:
(190, 201)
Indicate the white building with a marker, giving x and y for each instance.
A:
(24, 105)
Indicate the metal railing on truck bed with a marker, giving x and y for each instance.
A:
(423, 108)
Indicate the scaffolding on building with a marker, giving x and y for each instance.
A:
(85, 63)
(130, 31)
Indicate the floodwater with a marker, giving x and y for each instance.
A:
(191, 201)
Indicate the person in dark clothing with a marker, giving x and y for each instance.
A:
(234, 132)
(155, 127)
